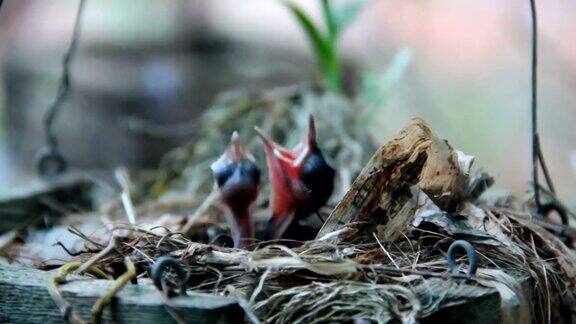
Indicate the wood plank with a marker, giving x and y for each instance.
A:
(24, 298)
(471, 303)
(461, 302)
(26, 205)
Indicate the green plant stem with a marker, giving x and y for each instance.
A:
(324, 46)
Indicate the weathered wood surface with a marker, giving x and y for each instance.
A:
(27, 205)
(473, 303)
(462, 303)
(24, 298)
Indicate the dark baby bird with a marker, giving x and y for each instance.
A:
(238, 180)
(302, 182)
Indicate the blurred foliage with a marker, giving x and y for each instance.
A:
(324, 40)
(282, 113)
(376, 87)
(342, 121)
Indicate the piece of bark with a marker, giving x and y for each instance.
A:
(415, 156)
(24, 298)
(441, 178)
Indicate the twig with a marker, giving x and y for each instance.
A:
(74, 230)
(64, 306)
(109, 248)
(383, 249)
(200, 210)
(260, 285)
(124, 180)
(118, 285)
(70, 253)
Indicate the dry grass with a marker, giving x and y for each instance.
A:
(320, 280)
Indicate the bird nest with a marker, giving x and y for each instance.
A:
(380, 255)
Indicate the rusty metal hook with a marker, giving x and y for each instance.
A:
(472, 257)
(161, 265)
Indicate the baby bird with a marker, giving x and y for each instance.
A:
(301, 183)
(238, 180)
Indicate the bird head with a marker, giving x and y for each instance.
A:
(238, 180)
(301, 180)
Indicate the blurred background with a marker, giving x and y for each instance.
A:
(144, 65)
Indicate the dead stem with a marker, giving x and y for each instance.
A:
(96, 257)
(200, 210)
(64, 306)
(118, 285)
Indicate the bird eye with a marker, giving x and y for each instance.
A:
(250, 170)
(224, 173)
(313, 164)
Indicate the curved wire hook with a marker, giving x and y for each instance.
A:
(472, 257)
(161, 265)
(537, 155)
(50, 161)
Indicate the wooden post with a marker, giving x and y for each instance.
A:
(24, 298)
(25, 206)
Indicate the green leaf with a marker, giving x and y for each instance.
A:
(331, 25)
(324, 48)
(343, 15)
(376, 87)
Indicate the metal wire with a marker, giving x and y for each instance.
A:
(50, 161)
(537, 155)
(159, 268)
(534, 86)
(472, 257)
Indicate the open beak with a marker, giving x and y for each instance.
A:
(238, 181)
(284, 169)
